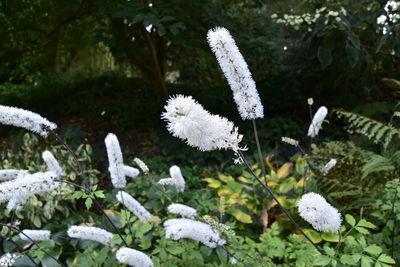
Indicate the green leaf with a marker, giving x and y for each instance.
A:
(350, 220)
(324, 56)
(348, 259)
(366, 261)
(353, 38)
(366, 224)
(77, 194)
(212, 183)
(386, 259)
(329, 251)
(330, 236)
(352, 54)
(313, 235)
(373, 250)
(322, 260)
(241, 216)
(88, 203)
(99, 194)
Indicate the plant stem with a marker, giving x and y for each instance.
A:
(259, 150)
(394, 219)
(266, 187)
(340, 240)
(26, 252)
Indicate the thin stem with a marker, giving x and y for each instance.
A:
(394, 220)
(26, 252)
(340, 241)
(233, 256)
(259, 150)
(266, 187)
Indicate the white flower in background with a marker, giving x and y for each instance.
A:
(176, 179)
(52, 163)
(189, 121)
(186, 228)
(319, 213)
(10, 174)
(182, 210)
(90, 233)
(141, 165)
(329, 166)
(18, 190)
(317, 121)
(236, 72)
(25, 119)
(290, 141)
(8, 259)
(35, 235)
(133, 257)
(117, 169)
(391, 15)
(134, 206)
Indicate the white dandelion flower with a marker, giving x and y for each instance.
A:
(8, 259)
(176, 179)
(317, 121)
(52, 163)
(189, 121)
(187, 228)
(10, 174)
(236, 72)
(141, 165)
(117, 169)
(25, 119)
(183, 210)
(35, 235)
(134, 206)
(319, 213)
(90, 233)
(329, 166)
(133, 258)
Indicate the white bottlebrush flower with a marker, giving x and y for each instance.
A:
(18, 190)
(90, 233)
(189, 121)
(141, 165)
(329, 166)
(176, 179)
(52, 163)
(317, 121)
(319, 213)
(187, 228)
(290, 141)
(10, 174)
(182, 210)
(117, 169)
(35, 235)
(134, 206)
(236, 72)
(133, 258)
(8, 259)
(25, 119)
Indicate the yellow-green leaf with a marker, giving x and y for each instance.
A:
(313, 235)
(241, 216)
(285, 170)
(212, 182)
(330, 236)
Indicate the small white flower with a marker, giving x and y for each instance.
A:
(329, 166)
(182, 210)
(186, 228)
(133, 257)
(319, 213)
(26, 119)
(290, 141)
(141, 165)
(8, 259)
(134, 206)
(189, 121)
(35, 235)
(10, 174)
(236, 72)
(52, 163)
(317, 121)
(176, 179)
(90, 233)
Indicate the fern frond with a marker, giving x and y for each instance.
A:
(377, 164)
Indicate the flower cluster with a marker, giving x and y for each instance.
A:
(391, 15)
(219, 226)
(26, 119)
(90, 233)
(290, 141)
(236, 72)
(319, 213)
(133, 257)
(135, 207)
(52, 163)
(8, 259)
(182, 210)
(141, 165)
(317, 121)
(35, 235)
(10, 174)
(329, 166)
(175, 180)
(187, 228)
(189, 121)
(117, 169)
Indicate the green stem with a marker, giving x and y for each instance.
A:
(259, 151)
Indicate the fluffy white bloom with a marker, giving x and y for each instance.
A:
(133, 257)
(182, 210)
(319, 213)
(90, 233)
(52, 163)
(187, 228)
(141, 165)
(18, 190)
(329, 166)
(175, 180)
(10, 174)
(8, 259)
(317, 121)
(236, 72)
(117, 169)
(25, 119)
(290, 141)
(36, 235)
(135, 207)
(189, 121)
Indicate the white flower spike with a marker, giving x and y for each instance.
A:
(10, 174)
(90, 233)
(35, 235)
(133, 257)
(176, 179)
(329, 166)
(134, 206)
(317, 121)
(183, 210)
(52, 163)
(236, 72)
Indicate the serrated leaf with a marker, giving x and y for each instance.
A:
(350, 220)
(366, 261)
(373, 250)
(348, 259)
(88, 203)
(322, 260)
(386, 259)
(366, 224)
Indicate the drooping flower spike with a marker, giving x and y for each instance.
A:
(317, 121)
(176, 179)
(134, 206)
(183, 210)
(329, 166)
(35, 235)
(133, 257)
(52, 163)
(90, 233)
